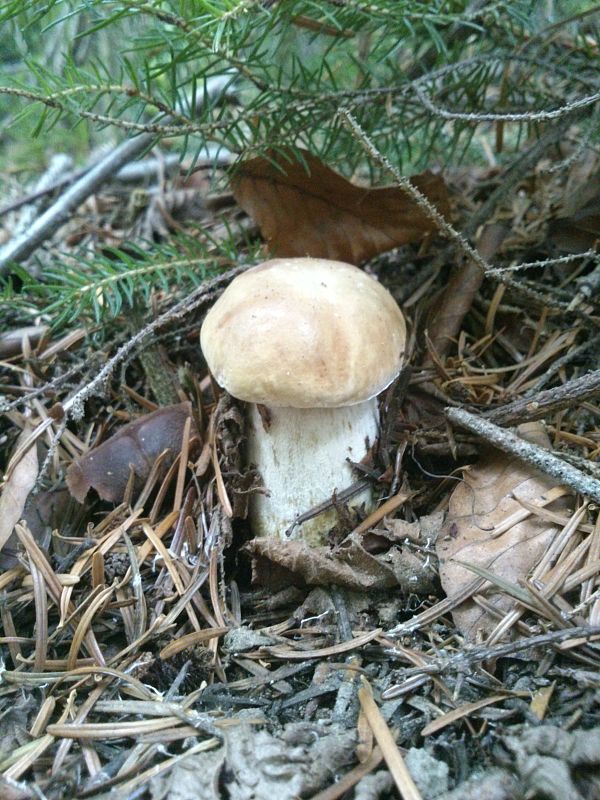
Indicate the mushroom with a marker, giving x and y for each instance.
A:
(308, 343)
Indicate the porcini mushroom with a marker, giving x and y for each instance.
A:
(308, 343)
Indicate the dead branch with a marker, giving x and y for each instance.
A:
(536, 456)
(548, 401)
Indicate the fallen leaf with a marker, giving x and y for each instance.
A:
(136, 446)
(17, 488)
(43, 513)
(577, 225)
(485, 498)
(319, 213)
(277, 563)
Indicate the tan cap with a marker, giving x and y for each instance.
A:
(304, 333)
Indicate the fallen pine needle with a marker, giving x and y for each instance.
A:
(389, 748)
(463, 711)
(351, 778)
(342, 647)
(112, 730)
(191, 640)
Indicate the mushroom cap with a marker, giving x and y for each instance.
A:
(304, 333)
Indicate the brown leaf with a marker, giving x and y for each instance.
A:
(137, 445)
(17, 488)
(320, 214)
(577, 226)
(480, 503)
(277, 563)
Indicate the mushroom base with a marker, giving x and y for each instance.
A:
(301, 454)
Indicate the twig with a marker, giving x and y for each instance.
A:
(44, 226)
(514, 174)
(548, 401)
(532, 454)
(478, 653)
(559, 363)
(428, 208)
(525, 116)
(75, 404)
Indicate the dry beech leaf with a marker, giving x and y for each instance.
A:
(320, 214)
(137, 445)
(17, 488)
(481, 502)
(276, 564)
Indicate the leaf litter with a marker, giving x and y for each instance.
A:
(152, 649)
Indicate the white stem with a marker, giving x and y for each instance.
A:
(301, 454)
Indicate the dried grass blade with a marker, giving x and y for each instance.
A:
(529, 509)
(52, 583)
(385, 508)
(437, 610)
(84, 624)
(389, 748)
(221, 490)
(160, 530)
(156, 625)
(41, 720)
(82, 712)
(37, 557)
(29, 753)
(511, 589)
(213, 585)
(560, 542)
(82, 565)
(141, 615)
(162, 492)
(24, 757)
(6, 578)
(11, 639)
(151, 480)
(588, 586)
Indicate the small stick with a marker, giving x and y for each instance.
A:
(532, 454)
(548, 401)
(19, 249)
(473, 654)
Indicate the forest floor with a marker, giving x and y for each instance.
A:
(444, 645)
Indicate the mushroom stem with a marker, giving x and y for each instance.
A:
(302, 455)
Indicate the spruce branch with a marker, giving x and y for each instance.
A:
(403, 182)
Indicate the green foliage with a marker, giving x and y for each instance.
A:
(427, 81)
(70, 291)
